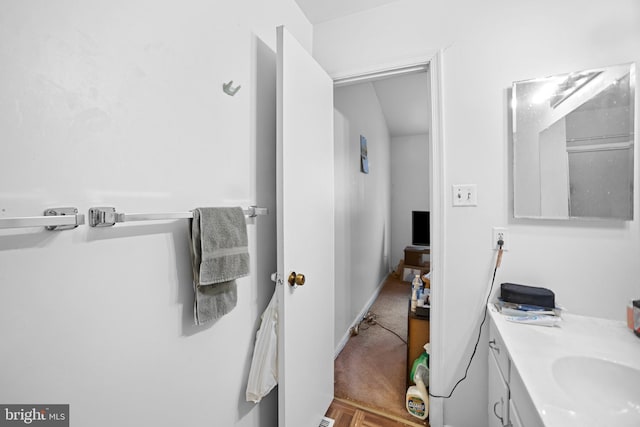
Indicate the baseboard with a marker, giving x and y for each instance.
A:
(358, 318)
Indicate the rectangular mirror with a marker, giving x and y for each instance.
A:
(573, 145)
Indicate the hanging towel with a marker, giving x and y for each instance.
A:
(219, 255)
(263, 375)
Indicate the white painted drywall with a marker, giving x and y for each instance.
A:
(120, 103)
(410, 188)
(363, 215)
(486, 46)
(343, 254)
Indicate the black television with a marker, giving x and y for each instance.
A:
(420, 234)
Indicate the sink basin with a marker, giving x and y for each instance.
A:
(606, 390)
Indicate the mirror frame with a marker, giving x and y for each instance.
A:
(536, 119)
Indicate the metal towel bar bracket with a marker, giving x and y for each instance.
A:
(53, 219)
(107, 216)
(68, 218)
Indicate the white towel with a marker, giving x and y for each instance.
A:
(263, 375)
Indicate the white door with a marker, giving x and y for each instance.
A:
(305, 221)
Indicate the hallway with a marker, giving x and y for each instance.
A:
(370, 372)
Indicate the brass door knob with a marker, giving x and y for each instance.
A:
(296, 279)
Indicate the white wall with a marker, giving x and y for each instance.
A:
(362, 202)
(410, 188)
(120, 103)
(486, 46)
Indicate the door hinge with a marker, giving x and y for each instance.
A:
(277, 278)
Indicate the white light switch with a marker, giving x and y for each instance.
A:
(465, 195)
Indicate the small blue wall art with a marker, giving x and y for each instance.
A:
(364, 156)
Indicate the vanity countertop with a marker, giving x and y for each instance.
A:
(589, 349)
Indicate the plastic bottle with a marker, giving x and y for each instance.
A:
(416, 283)
(414, 300)
(417, 400)
(415, 290)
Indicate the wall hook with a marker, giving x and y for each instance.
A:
(230, 90)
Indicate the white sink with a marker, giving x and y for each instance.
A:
(606, 390)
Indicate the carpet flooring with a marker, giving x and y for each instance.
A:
(371, 369)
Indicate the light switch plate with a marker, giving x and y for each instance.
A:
(465, 195)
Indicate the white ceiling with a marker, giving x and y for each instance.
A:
(405, 103)
(326, 10)
(404, 99)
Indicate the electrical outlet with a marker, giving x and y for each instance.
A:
(465, 195)
(499, 233)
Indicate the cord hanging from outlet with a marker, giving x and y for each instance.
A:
(499, 234)
(371, 319)
(500, 248)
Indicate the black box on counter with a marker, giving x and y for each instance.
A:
(529, 295)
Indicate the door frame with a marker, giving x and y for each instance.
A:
(433, 60)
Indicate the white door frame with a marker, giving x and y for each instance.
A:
(436, 135)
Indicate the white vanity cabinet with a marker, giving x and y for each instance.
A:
(509, 404)
(498, 396)
(583, 372)
(514, 416)
(499, 365)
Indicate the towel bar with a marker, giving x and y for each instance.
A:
(53, 219)
(107, 216)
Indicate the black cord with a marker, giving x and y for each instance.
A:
(484, 318)
(371, 319)
(393, 332)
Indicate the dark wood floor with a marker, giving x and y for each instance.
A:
(346, 414)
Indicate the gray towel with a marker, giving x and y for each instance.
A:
(219, 255)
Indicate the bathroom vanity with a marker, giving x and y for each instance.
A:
(586, 372)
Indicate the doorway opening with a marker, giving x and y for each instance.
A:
(391, 113)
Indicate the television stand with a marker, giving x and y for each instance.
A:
(418, 248)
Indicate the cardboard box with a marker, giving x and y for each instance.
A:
(414, 258)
